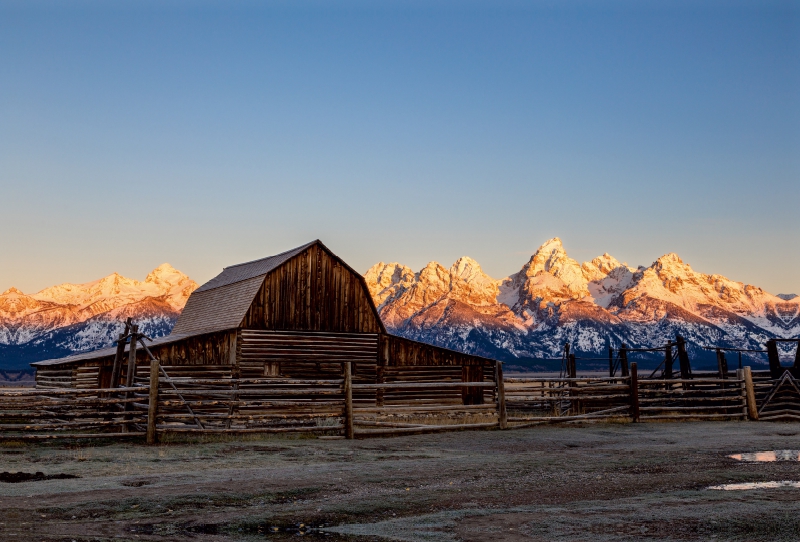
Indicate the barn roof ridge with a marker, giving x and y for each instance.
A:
(274, 255)
(247, 270)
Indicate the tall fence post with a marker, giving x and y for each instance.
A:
(131, 374)
(623, 360)
(750, 394)
(668, 361)
(117, 367)
(743, 387)
(775, 369)
(683, 359)
(152, 406)
(722, 364)
(502, 415)
(348, 401)
(634, 392)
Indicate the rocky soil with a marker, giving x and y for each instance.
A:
(594, 482)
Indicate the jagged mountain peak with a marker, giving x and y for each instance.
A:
(469, 283)
(671, 263)
(28, 320)
(607, 263)
(467, 269)
(551, 258)
(12, 291)
(385, 279)
(553, 299)
(551, 245)
(165, 273)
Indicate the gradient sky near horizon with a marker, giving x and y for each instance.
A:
(205, 134)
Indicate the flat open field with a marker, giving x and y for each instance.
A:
(594, 482)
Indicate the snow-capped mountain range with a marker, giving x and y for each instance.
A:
(554, 299)
(527, 316)
(70, 318)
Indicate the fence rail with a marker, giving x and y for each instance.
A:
(34, 414)
(408, 401)
(536, 401)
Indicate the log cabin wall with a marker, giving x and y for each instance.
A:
(397, 351)
(201, 355)
(58, 376)
(313, 291)
(404, 360)
(209, 349)
(306, 355)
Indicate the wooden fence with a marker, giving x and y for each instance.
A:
(407, 401)
(778, 400)
(250, 405)
(30, 414)
(697, 398)
(533, 401)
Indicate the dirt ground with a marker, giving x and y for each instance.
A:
(595, 482)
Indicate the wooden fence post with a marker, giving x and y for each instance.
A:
(750, 394)
(117, 367)
(668, 361)
(348, 401)
(623, 359)
(775, 369)
(572, 372)
(740, 376)
(683, 359)
(634, 392)
(722, 364)
(116, 370)
(502, 415)
(152, 406)
(129, 377)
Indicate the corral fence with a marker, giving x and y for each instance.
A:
(534, 401)
(426, 399)
(405, 400)
(696, 398)
(34, 414)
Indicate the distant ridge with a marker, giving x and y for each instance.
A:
(554, 299)
(525, 317)
(71, 318)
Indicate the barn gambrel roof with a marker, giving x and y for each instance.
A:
(222, 302)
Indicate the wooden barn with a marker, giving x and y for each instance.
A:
(298, 314)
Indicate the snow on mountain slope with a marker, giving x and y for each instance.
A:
(78, 317)
(554, 299)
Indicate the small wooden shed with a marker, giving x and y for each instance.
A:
(297, 314)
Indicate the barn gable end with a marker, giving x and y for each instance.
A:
(314, 290)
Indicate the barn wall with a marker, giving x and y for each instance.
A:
(305, 354)
(313, 291)
(211, 349)
(432, 363)
(199, 352)
(397, 351)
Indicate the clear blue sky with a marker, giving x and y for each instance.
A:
(209, 133)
